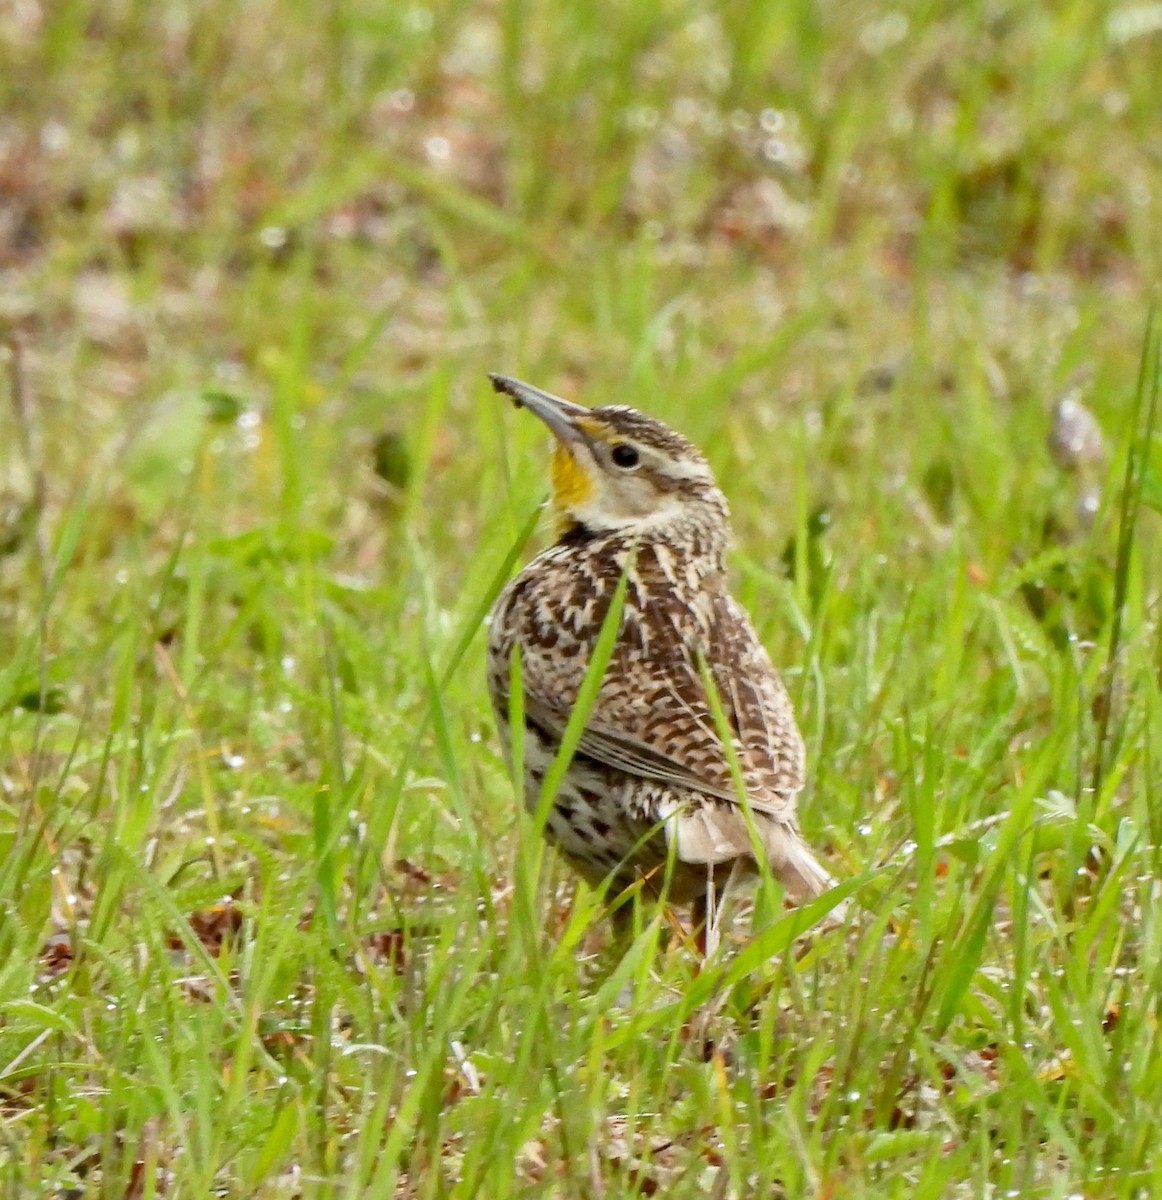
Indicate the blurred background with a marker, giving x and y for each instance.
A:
(890, 266)
(891, 238)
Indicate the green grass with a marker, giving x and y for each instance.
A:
(270, 922)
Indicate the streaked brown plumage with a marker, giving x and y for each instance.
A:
(650, 778)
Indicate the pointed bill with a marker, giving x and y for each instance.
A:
(558, 414)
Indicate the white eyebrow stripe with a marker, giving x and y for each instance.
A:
(685, 469)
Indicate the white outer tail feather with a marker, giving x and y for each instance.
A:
(716, 833)
(796, 867)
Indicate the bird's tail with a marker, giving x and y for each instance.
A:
(795, 866)
(714, 834)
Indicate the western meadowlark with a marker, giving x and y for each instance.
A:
(650, 790)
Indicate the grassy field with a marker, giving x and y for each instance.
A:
(270, 923)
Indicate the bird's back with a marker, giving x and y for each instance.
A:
(652, 727)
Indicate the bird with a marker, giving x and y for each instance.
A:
(650, 792)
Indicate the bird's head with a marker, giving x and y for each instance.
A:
(616, 469)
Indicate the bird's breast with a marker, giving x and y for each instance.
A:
(555, 609)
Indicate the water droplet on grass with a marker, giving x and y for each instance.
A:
(771, 120)
(437, 148)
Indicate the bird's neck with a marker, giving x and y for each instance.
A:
(696, 544)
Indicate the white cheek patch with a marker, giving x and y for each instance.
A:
(615, 502)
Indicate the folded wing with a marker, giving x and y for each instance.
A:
(656, 721)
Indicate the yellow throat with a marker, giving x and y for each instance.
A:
(571, 483)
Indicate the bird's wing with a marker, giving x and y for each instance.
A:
(616, 748)
(652, 717)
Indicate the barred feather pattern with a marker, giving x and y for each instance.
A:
(651, 781)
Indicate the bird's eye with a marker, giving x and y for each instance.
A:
(624, 455)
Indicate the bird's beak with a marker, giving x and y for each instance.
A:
(561, 416)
